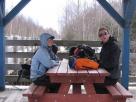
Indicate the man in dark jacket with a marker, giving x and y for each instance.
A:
(109, 56)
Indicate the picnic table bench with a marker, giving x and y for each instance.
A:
(77, 79)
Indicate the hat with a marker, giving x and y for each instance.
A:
(52, 37)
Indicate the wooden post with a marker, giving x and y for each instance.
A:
(2, 46)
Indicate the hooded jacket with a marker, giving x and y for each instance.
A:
(43, 59)
(109, 58)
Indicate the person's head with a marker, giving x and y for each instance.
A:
(46, 39)
(50, 41)
(103, 34)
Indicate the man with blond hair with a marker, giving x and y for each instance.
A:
(109, 56)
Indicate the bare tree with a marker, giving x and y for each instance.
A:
(84, 22)
(20, 26)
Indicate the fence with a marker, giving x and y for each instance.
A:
(20, 50)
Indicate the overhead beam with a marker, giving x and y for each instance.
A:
(113, 13)
(15, 11)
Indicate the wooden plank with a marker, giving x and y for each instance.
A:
(64, 88)
(13, 66)
(102, 72)
(83, 72)
(30, 90)
(63, 67)
(75, 43)
(93, 73)
(98, 75)
(53, 70)
(113, 91)
(61, 55)
(68, 79)
(19, 54)
(89, 88)
(58, 42)
(22, 42)
(39, 91)
(29, 54)
(76, 98)
(123, 91)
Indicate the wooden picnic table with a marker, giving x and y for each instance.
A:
(77, 79)
(65, 75)
(70, 77)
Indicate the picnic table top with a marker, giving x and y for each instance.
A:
(64, 70)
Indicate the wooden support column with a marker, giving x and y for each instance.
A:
(4, 20)
(128, 11)
(2, 46)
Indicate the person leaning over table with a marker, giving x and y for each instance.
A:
(43, 59)
(109, 56)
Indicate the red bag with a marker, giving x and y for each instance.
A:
(84, 63)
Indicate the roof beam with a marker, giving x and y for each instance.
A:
(15, 11)
(113, 13)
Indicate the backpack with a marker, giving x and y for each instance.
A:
(85, 63)
(83, 51)
(82, 57)
(24, 72)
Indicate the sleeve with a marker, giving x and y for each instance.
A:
(114, 56)
(45, 59)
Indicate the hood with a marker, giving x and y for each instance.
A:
(44, 38)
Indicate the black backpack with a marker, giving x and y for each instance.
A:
(82, 51)
(24, 72)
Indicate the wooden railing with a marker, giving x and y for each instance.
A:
(22, 55)
(33, 44)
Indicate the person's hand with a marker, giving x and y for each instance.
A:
(55, 63)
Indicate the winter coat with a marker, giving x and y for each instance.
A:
(43, 59)
(109, 58)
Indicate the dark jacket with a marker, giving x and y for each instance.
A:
(109, 58)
